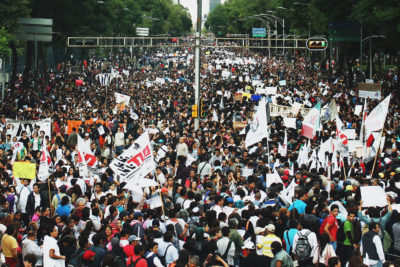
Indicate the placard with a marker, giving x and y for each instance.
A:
(373, 196)
(239, 125)
(24, 170)
(289, 122)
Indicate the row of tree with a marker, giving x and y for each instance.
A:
(88, 18)
(315, 17)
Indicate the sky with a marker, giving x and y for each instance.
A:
(192, 6)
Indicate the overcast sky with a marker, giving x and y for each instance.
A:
(192, 6)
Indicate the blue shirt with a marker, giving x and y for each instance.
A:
(63, 210)
(289, 234)
(299, 205)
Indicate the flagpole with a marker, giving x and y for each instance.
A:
(51, 207)
(159, 192)
(378, 152)
(344, 168)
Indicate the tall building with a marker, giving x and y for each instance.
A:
(213, 4)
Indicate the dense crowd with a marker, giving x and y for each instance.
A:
(217, 205)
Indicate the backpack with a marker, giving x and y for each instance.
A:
(133, 263)
(357, 231)
(303, 247)
(150, 260)
(119, 261)
(76, 259)
(162, 258)
(340, 235)
(225, 256)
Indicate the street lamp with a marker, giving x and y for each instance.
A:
(150, 18)
(370, 50)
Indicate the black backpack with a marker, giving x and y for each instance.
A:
(340, 235)
(357, 231)
(225, 256)
(162, 258)
(133, 263)
(303, 247)
(119, 261)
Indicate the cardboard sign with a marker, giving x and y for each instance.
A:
(373, 196)
(239, 125)
(24, 170)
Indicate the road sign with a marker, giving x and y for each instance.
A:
(142, 32)
(259, 32)
(35, 29)
(344, 32)
(317, 44)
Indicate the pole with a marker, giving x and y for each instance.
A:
(36, 44)
(197, 64)
(370, 57)
(283, 35)
(361, 46)
(159, 192)
(51, 208)
(378, 152)
(269, 41)
(3, 68)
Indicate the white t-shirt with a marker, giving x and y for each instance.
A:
(51, 243)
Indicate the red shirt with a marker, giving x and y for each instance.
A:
(141, 263)
(129, 251)
(331, 220)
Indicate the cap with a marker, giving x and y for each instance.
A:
(392, 173)
(249, 245)
(88, 255)
(229, 200)
(259, 230)
(356, 183)
(164, 190)
(398, 169)
(270, 228)
(133, 238)
(349, 188)
(86, 134)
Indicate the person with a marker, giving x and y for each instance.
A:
(266, 242)
(30, 247)
(152, 257)
(51, 250)
(130, 248)
(30, 260)
(64, 208)
(396, 235)
(309, 243)
(331, 225)
(281, 257)
(9, 245)
(334, 262)
(251, 258)
(299, 203)
(324, 251)
(371, 245)
(226, 248)
(346, 248)
(167, 249)
(138, 259)
(34, 200)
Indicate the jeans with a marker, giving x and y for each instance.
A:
(378, 264)
(334, 244)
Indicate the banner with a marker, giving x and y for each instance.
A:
(258, 127)
(377, 117)
(285, 111)
(266, 91)
(122, 99)
(76, 124)
(24, 170)
(45, 161)
(16, 127)
(369, 90)
(135, 162)
(84, 149)
(311, 122)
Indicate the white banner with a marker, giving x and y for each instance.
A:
(122, 99)
(266, 91)
(258, 126)
(16, 127)
(136, 162)
(369, 94)
(289, 122)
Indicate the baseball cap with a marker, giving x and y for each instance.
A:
(164, 190)
(229, 200)
(249, 245)
(356, 183)
(259, 230)
(88, 254)
(270, 228)
(138, 214)
(133, 238)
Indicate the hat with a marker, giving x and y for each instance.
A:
(391, 174)
(133, 238)
(138, 214)
(349, 188)
(381, 174)
(259, 230)
(86, 134)
(398, 169)
(270, 228)
(229, 200)
(164, 190)
(88, 255)
(356, 183)
(249, 245)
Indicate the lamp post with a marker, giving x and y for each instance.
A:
(370, 50)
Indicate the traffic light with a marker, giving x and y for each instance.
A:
(317, 43)
(195, 111)
(203, 108)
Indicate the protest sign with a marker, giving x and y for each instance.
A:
(24, 170)
(373, 196)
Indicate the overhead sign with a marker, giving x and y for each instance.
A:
(317, 44)
(142, 31)
(259, 32)
(35, 29)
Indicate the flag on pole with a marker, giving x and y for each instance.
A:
(377, 117)
(84, 148)
(257, 129)
(341, 137)
(282, 149)
(364, 116)
(273, 178)
(137, 161)
(45, 161)
(330, 113)
(311, 122)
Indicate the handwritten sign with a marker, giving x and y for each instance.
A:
(373, 196)
(24, 170)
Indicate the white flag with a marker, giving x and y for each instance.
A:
(137, 161)
(258, 127)
(311, 122)
(45, 161)
(282, 149)
(376, 119)
(88, 156)
(273, 178)
(215, 116)
(122, 99)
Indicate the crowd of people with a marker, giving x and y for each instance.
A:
(217, 205)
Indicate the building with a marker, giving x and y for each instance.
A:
(213, 4)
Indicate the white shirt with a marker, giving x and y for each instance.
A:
(51, 243)
(24, 192)
(312, 239)
(37, 200)
(379, 249)
(222, 245)
(96, 222)
(30, 247)
(172, 253)
(119, 139)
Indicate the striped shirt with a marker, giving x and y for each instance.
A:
(265, 244)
